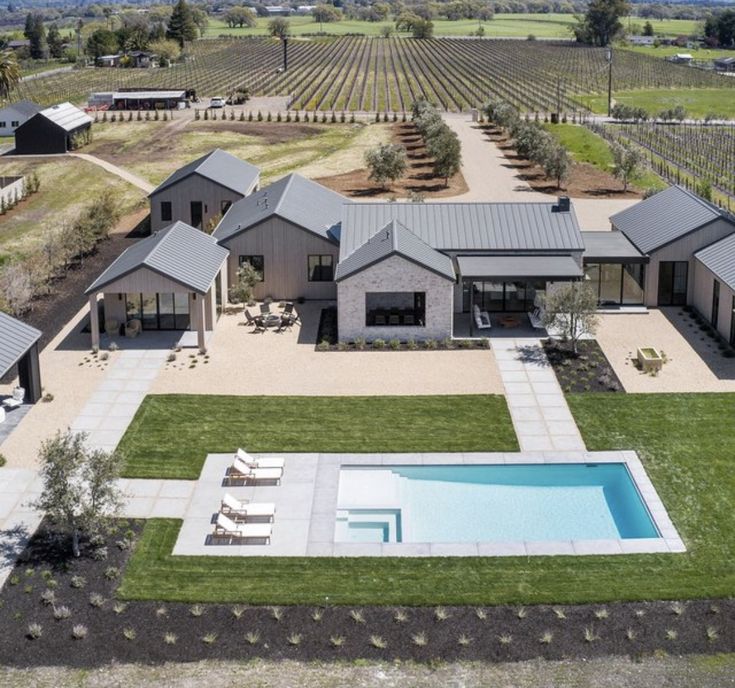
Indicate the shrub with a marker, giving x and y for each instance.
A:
(96, 600)
(77, 581)
(119, 607)
(337, 640)
(395, 344)
(359, 343)
(209, 638)
(196, 610)
(48, 597)
(129, 633)
(61, 612)
(378, 642)
(324, 345)
(378, 343)
(252, 637)
(79, 632)
(34, 631)
(170, 638)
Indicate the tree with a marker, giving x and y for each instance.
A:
(406, 20)
(571, 310)
(648, 29)
(446, 150)
(626, 161)
(79, 485)
(167, 51)
(325, 14)
(601, 23)
(181, 25)
(557, 164)
(278, 27)
(16, 291)
(35, 32)
(720, 27)
(55, 42)
(422, 28)
(246, 279)
(386, 162)
(240, 16)
(101, 42)
(9, 73)
(201, 19)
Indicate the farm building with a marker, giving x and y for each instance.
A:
(724, 64)
(109, 60)
(20, 44)
(682, 58)
(13, 115)
(714, 290)
(134, 58)
(149, 100)
(19, 352)
(202, 190)
(52, 130)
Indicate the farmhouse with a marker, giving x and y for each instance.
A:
(15, 114)
(54, 130)
(19, 350)
(203, 190)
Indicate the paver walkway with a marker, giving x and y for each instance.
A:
(540, 414)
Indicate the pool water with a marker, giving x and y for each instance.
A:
(490, 503)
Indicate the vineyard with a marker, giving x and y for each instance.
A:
(387, 75)
(686, 153)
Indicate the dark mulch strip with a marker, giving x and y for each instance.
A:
(589, 371)
(327, 331)
(336, 633)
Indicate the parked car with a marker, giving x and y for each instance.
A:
(217, 102)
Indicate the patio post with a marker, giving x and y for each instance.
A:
(223, 282)
(198, 303)
(94, 321)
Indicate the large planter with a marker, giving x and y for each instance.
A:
(649, 359)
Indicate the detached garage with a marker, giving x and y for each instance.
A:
(54, 130)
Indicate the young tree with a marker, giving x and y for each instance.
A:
(16, 290)
(201, 18)
(55, 42)
(79, 485)
(278, 27)
(601, 23)
(571, 310)
(386, 162)
(9, 73)
(240, 16)
(181, 26)
(557, 164)
(627, 161)
(246, 279)
(648, 29)
(446, 150)
(422, 28)
(35, 32)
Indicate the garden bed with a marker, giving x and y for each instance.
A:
(589, 371)
(152, 632)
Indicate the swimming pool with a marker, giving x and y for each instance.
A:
(490, 503)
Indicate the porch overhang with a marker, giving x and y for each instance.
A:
(610, 247)
(508, 268)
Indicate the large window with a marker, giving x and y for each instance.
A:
(256, 262)
(166, 213)
(616, 284)
(395, 309)
(159, 311)
(501, 296)
(197, 213)
(715, 304)
(672, 283)
(321, 268)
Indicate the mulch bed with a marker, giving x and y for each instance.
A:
(135, 631)
(589, 371)
(419, 178)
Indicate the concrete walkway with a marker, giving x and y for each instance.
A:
(540, 414)
(114, 169)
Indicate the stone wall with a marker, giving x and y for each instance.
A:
(395, 274)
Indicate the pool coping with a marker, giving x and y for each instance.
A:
(325, 507)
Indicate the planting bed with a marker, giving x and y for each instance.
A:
(151, 632)
(590, 371)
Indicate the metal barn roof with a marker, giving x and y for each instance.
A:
(15, 339)
(66, 116)
(504, 267)
(720, 259)
(610, 247)
(24, 107)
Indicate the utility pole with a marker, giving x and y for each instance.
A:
(285, 53)
(609, 80)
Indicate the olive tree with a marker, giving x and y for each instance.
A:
(246, 279)
(627, 161)
(571, 309)
(386, 162)
(446, 150)
(79, 485)
(557, 164)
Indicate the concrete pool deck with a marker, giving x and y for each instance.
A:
(307, 498)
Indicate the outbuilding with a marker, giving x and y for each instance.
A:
(19, 347)
(15, 114)
(57, 129)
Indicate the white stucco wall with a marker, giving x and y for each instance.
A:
(398, 275)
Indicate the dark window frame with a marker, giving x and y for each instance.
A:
(321, 267)
(224, 206)
(259, 258)
(168, 205)
(715, 314)
(417, 311)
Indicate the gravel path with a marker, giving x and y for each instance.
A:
(119, 171)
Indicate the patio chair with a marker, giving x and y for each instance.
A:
(19, 395)
(262, 462)
(287, 321)
(265, 308)
(482, 318)
(288, 310)
(536, 318)
(244, 510)
(112, 327)
(132, 328)
(225, 527)
(256, 322)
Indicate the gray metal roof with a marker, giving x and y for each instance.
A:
(180, 252)
(24, 107)
(395, 239)
(146, 95)
(15, 339)
(612, 247)
(220, 167)
(505, 267)
(466, 226)
(664, 217)
(720, 259)
(66, 116)
(293, 198)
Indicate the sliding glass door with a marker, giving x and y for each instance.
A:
(497, 297)
(672, 283)
(616, 284)
(159, 311)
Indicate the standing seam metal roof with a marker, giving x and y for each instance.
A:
(395, 239)
(720, 259)
(180, 252)
(24, 107)
(15, 339)
(467, 226)
(66, 116)
(220, 167)
(293, 198)
(665, 217)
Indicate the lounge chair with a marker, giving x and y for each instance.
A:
(262, 462)
(256, 322)
(225, 527)
(241, 471)
(112, 327)
(482, 318)
(244, 510)
(19, 395)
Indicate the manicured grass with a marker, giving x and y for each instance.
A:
(687, 443)
(171, 435)
(697, 101)
(586, 146)
(664, 51)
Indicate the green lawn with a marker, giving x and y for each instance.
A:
(664, 51)
(697, 101)
(586, 146)
(686, 441)
(171, 435)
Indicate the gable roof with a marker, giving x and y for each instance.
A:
(293, 198)
(66, 116)
(665, 217)
(395, 239)
(720, 259)
(218, 166)
(180, 252)
(24, 107)
(15, 339)
(467, 226)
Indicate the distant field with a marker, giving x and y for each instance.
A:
(501, 26)
(664, 51)
(698, 102)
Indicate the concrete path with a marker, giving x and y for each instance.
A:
(119, 171)
(540, 414)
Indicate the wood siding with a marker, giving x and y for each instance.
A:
(285, 249)
(683, 250)
(180, 195)
(704, 280)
